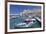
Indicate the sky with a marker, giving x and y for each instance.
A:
(16, 9)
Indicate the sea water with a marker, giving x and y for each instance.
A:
(20, 19)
